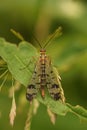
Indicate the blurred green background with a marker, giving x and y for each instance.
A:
(42, 17)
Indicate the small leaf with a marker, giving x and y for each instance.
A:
(35, 106)
(6, 75)
(12, 111)
(52, 116)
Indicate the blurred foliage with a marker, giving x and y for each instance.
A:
(41, 18)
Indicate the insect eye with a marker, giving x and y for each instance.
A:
(55, 86)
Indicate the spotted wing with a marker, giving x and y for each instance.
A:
(32, 88)
(54, 84)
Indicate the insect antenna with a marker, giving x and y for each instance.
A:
(37, 41)
(49, 39)
(53, 36)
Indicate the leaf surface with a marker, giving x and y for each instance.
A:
(18, 58)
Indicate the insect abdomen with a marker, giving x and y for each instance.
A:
(42, 72)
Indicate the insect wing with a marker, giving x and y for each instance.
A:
(32, 88)
(31, 92)
(54, 84)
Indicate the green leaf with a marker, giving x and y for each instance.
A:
(17, 58)
(62, 108)
(55, 106)
(78, 110)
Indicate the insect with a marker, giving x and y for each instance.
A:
(44, 76)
